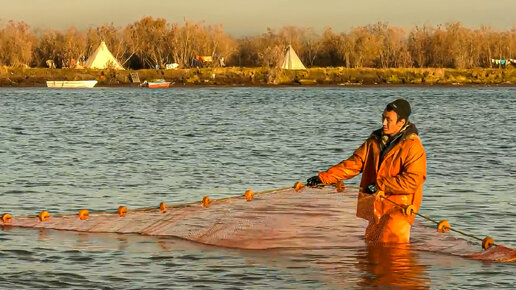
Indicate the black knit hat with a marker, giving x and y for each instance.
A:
(401, 107)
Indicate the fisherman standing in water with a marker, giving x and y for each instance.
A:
(391, 160)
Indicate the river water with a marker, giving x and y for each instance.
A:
(63, 150)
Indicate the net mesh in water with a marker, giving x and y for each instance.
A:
(315, 218)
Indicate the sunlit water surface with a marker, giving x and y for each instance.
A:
(63, 150)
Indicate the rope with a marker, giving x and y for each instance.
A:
(436, 222)
(152, 209)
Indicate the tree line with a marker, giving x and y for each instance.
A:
(149, 42)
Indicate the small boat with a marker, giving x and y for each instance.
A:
(160, 83)
(71, 84)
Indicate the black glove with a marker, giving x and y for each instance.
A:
(371, 188)
(313, 181)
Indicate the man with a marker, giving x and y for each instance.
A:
(391, 160)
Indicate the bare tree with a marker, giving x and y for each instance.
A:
(147, 38)
(333, 49)
(418, 43)
(16, 44)
(311, 42)
(367, 46)
(149, 42)
(113, 37)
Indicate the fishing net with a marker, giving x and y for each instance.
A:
(314, 218)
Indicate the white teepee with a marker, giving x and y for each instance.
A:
(103, 59)
(291, 60)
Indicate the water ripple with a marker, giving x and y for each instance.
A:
(97, 149)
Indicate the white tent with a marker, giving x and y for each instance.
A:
(103, 59)
(291, 60)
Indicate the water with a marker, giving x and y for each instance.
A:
(63, 150)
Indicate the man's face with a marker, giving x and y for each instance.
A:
(390, 123)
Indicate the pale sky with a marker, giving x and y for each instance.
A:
(250, 17)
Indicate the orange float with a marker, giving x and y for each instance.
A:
(7, 218)
(409, 210)
(163, 207)
(249, 195)
(298, 186)
(44, 216)
(443, 226)
(206, 201)
(84, 214)
(122, 210)
(487, 243)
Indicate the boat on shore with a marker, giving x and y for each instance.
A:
(71, 84)
(154, 84)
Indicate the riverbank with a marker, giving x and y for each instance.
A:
(237, 76)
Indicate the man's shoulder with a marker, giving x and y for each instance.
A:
(412, 137)
(411, 133)
(412, 141)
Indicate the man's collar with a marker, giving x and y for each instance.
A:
(407, 130)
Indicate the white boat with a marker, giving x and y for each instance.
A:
(71, 84)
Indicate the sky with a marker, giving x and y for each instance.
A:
(250, 17)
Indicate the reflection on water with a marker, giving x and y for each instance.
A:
(98, 149)
(392, 267)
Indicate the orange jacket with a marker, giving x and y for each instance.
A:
(400, 175)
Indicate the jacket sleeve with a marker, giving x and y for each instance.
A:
(413, 172)
(346, 168)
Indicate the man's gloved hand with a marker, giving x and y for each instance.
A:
(313, 181)
(371, 188)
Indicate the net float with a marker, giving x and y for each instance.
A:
(443, 226)
(7, 218)
(163, 207)
(487, 243)
(409, 210)
(249, 195)
(122, 211)
(84, 214)
(44, 216)
(298, 186)
(206, 201)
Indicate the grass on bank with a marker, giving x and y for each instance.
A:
(12, 77)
